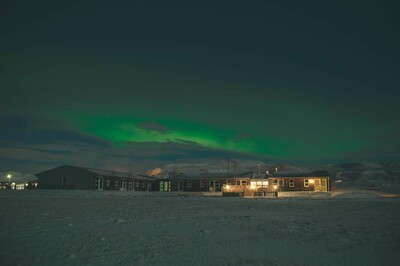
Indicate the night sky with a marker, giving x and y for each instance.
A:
(113, 84)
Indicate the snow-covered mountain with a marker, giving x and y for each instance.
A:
(223, 166)
(377, 175)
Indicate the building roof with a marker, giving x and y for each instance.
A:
(102, 172)
(212, 175)
(300, 174)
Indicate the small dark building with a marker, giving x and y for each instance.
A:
(74, 177)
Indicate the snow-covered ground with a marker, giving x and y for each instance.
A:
(40, 227)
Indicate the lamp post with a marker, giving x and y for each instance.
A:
(9, 180)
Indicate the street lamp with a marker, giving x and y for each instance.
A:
(9, 179)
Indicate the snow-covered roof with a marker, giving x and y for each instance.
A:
(212, 175)
(300, 174)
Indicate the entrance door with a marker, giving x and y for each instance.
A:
(317, 184)
(324, 185)
(123, 185)
(281, 184)
(64, 182)
(180, 185)
(99, 183)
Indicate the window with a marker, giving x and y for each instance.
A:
(323, 182)
(116, 183)
(189, 184)
(108, 182)
(143, 185)
(244, 183)
(216, 182)
(305, 182)
(291, 182)
(202, 184)
(228, 182)
(137, 184)
(238, 183)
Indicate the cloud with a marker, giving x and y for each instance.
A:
(188, 142)
(136, 157)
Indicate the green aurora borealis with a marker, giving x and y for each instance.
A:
(275, 81)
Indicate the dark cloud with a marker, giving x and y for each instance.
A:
(188, 142)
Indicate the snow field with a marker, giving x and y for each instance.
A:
(138, 228)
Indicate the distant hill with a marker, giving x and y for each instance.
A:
(223, 166)
(377, 175)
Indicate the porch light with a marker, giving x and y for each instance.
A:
(275, 187)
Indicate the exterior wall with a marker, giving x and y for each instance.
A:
(115, 183)
(203, 185)
(131, 184)
(298, 183)
(161, 185)
(66, 177)
(143, 185)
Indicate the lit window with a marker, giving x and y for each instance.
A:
(291, 182)
(305, 182)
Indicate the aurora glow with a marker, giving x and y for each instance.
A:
(302, 81)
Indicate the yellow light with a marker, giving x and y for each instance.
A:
(311, 181)
(252, 187)
(275, 186)
(227, 186)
